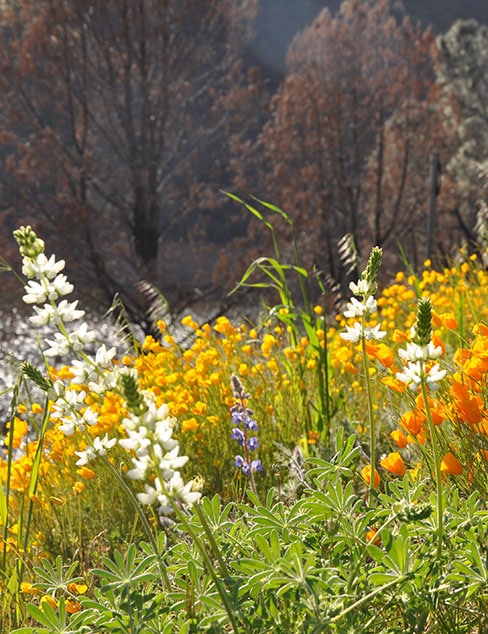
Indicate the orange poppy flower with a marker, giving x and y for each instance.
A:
(466, 405)
(412, 422)
(399, 438)
(366, 474)
(450, 464)
(394, 464)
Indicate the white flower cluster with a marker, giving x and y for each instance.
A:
(361, 308)
(150, 437)
(149, 431)
(415, 371)
(99, 448)
(45, 287)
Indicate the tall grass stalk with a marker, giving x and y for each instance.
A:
(299, 317)
(371, 418)
(437, 466)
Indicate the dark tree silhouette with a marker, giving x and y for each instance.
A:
(116, 121)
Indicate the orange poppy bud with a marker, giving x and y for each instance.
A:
(371, 536)
(72, 606)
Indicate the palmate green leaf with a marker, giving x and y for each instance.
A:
(56, 622)
(57, 576)
(249, 565)
(123, 572)
(397, 557)
(269, 546)
(375, 553)
(216, 515)
(255, 583)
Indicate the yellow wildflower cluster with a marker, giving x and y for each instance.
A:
(280, 369)
(195, 383)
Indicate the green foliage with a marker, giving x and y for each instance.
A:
(307, 566)
(328, 552)
(295, 312)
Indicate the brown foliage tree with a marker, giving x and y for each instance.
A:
(346, 149)
(116, 119)
(463, 74)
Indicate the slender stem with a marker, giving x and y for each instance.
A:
(366, 598)
(34, 483)
(372, 428)
(145, 523)
(206, 559)
(10, 455)
(437, 463)
(203, 551)
(325, 366)
(213, 544)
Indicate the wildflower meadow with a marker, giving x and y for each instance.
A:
(315, 471)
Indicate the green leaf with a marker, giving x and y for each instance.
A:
(46, 616)
(380, 578)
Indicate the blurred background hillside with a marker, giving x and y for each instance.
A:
(121, 122)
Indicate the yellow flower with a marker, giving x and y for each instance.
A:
(28, 588)
(78, 487)
(47, 598)
(189, 322)
(77, 588)
(191, 425)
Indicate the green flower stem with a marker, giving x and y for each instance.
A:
(366, 598)
(372, 427)
(206, 559)
(213, 544)
(323, 374)
(6, 495)
(34, 482)
(149, 532)
(437, 463)
(179, 512)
